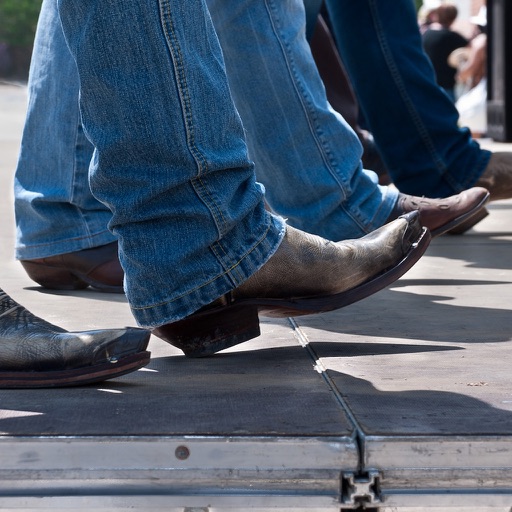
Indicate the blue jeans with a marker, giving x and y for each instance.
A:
(306, 155)
(55, 210)
(413, 121)
(170, 158)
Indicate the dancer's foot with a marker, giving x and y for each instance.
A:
(306, 275)
(445, 215)
(97, 267)
(35, 353)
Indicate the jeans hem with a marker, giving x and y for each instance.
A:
(180, 307)
(31, 252)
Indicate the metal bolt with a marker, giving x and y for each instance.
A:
(182, 453)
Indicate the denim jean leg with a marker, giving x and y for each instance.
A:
(55, 210)
(413, 121)
(306, 155)
(170, 155)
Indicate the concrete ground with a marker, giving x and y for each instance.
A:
(415, 378)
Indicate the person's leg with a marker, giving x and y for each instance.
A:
(55, 210)
(171, 162)
(62, 239)
(170, 158)
(99, 266)
(414, 123)
(306, 155)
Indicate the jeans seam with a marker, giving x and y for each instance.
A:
(186, 108)
(76, 238)
(204, 194)
(314, 128)
(73, 184)
(309, 114)
(216, 248)
(207, 283)
(181, 82)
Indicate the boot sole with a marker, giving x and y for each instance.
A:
(469, 223)
(207, 332)
(74, 377)
(465, 221)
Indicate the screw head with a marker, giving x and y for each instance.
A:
(182, 453)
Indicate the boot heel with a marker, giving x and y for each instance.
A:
(206, 332)
(52, 277)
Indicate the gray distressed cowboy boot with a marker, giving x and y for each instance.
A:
(306, 275)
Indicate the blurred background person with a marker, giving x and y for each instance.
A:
(439, 41)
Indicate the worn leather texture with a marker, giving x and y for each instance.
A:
(29, 343)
